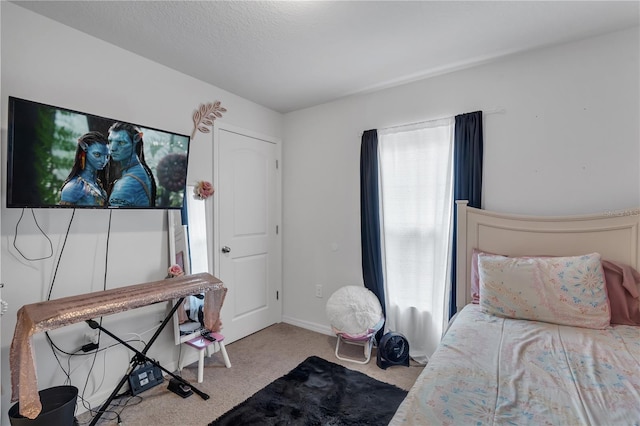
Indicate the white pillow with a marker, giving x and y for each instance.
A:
(559, 290)
(354, 310)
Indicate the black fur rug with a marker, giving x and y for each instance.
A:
(318, 392)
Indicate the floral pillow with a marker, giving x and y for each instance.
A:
(560, 290)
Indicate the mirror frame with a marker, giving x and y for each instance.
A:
(188, 247)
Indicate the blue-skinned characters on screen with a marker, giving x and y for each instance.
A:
(85, 184)
(132, 182)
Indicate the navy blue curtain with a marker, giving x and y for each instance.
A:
(467, 176)
(370, 218)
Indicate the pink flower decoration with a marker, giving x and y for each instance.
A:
(175, 270)
(203, 190)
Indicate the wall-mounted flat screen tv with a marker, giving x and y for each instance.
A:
(62, 158)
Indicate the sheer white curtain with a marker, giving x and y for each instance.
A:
(416, 175)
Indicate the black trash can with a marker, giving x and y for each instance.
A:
(58, 408)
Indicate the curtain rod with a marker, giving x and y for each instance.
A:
(498, 110)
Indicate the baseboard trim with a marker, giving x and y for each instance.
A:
(319, 328)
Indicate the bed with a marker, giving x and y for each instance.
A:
(547, 330)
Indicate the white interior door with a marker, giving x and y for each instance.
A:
(248, 244)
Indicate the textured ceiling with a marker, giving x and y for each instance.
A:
(288, 55)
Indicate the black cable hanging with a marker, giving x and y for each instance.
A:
(15, 238)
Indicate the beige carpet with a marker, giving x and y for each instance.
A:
(256, 361)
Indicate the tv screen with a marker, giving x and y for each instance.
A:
(62, 158)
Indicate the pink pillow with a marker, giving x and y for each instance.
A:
(623, 283)
(475, 277)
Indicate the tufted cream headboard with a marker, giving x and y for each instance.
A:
(614, 234)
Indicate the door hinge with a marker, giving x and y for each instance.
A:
(277, 229)
(277, 295)
(276, 164)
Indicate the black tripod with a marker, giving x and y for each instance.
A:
(140, 358)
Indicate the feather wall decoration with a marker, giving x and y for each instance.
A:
(204, 117)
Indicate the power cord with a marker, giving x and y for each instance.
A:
(113, 409)
(90, 347)
(52, 345)
(15, 238)
(64, 244)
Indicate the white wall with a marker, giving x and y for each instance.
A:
(51, 63)
(568, 142)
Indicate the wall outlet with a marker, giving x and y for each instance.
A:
(319, 290)
(92, 336)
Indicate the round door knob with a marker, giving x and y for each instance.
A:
(226, 249)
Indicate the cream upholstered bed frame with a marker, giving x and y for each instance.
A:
(614, 234)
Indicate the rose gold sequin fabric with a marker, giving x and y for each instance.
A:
(43, 316)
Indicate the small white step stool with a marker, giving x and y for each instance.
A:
(204, 345)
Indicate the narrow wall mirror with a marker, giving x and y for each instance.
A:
(188, 248)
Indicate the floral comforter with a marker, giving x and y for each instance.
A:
(495, 371)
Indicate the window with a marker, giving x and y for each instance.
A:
(416, 176)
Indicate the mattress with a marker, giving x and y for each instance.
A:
(490, 370)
